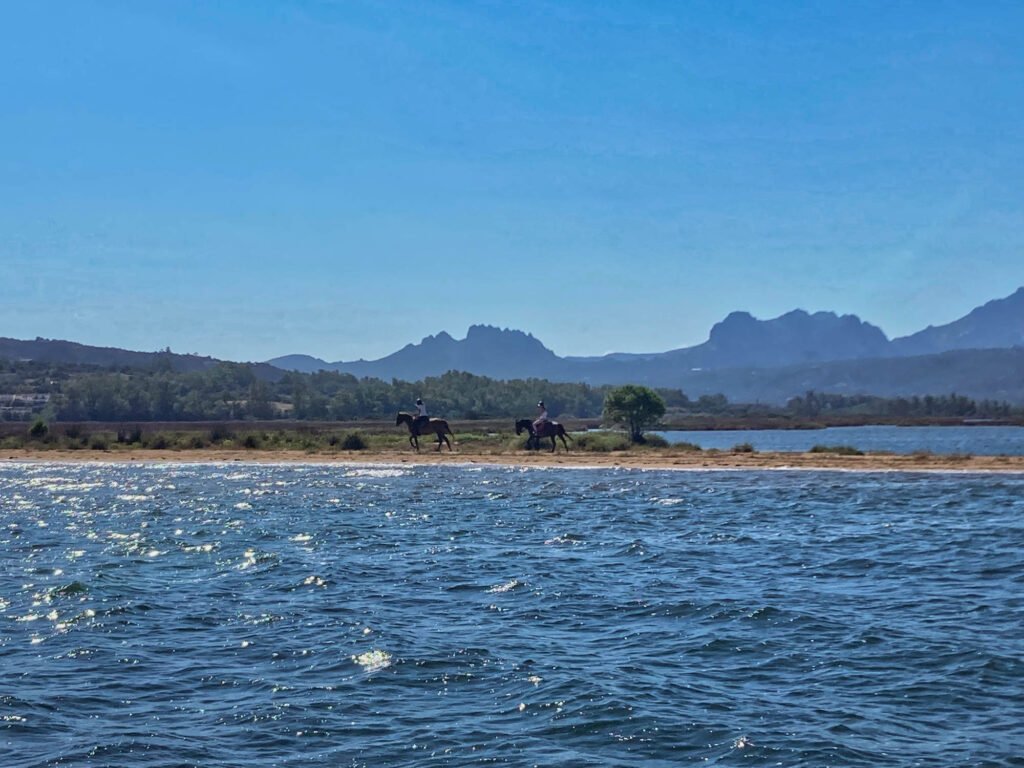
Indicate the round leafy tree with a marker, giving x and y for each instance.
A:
(635, 407)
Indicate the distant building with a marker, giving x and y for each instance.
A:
(19, 406)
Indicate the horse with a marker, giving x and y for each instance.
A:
(438, 426)
(550, 429)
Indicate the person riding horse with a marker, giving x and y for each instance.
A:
(437, 427)
(422, 418)
(542, 418)
(547, 428)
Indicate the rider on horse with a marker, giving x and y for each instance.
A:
(542, 418)
(541, 428)
(421, 415)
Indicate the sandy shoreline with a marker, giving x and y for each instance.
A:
(663, 459)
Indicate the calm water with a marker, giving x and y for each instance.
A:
(980, 441)
(260, 615)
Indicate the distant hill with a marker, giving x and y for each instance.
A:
(300, 363)
(997, 324)
(994, 374)
(750, 360)
(740, 341)
(57, 351)
(486, 351)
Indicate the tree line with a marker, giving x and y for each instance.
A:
(814, 404)
(231, 391)
(237, 391)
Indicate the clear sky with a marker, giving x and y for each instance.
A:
(248, 179)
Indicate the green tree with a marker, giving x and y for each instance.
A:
(635, 407)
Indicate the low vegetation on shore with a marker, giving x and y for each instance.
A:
(492, 442)
(79, 437)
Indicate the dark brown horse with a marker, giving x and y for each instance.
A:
(438, 426)
(550, 429)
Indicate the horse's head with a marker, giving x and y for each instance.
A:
(523, 425)
(400, 418)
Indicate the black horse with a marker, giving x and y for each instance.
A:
(438, 426)
(550, 429)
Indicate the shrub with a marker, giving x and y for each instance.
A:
(743, 448)
(687, 446)
(157, 442)
(126, 436)
(99, 443)
(654, 441)
(251, 441)
(219, 434)
(603, 442)
(354, 441)
(840, 450)
(38, 430)
(79, 440)
(13, 441)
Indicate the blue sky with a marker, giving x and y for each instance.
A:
(248, 179)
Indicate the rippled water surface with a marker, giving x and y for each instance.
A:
(267, 615)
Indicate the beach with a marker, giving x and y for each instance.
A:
(660, 459)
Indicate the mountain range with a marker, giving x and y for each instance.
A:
(744, 358)
(739, 342)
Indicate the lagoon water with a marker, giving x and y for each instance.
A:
(976, 440)
(255, 615)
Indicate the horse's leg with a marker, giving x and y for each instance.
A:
(446, 441)
(552, 443)
(439, 436)
(414, 442)
(564, 443)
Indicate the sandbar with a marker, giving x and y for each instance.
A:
(633, 459)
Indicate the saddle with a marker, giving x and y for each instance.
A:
(546, 429)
